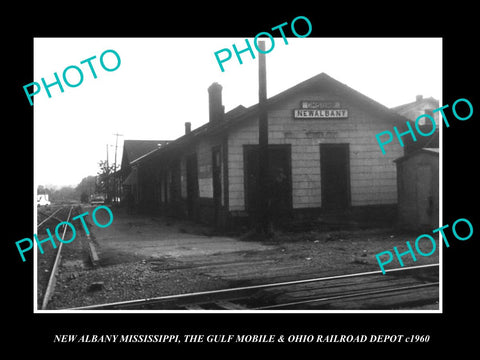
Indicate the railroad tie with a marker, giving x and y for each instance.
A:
(193, 307)
(230, 305)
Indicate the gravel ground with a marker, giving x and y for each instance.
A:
(123, 282)
(127, 272)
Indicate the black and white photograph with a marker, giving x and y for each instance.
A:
(237, 178)
(228, 186)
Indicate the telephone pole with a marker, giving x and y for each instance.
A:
(107, 178)
(263, 166)
(108, 181)
(115, 169)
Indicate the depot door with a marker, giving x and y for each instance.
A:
(192, 186)
(217, 185)
(335, 176)
(280, 183)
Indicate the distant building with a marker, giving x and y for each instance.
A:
(412, 111)
(418, 107)
(323, 156)
(42, 200)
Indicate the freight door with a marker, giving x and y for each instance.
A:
(424, 195)
(335, 176)
(217, 185)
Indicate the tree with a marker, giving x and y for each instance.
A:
(44, 190)
(84, 197)
(65, 193)
(105, 179)
(86, 187)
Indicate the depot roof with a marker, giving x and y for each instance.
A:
(135, 149)
(429, 151)
(240, 114)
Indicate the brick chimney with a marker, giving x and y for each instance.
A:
(188, 127)
(216, 109)
(419, 98)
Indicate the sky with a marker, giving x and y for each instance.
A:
(162, 83)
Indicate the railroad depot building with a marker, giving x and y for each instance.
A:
(323, 159)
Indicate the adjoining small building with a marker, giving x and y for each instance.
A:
(323, 159)
(418, 189)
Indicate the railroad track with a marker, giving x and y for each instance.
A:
(46, 217)
(52, 279)
(62, 214)
(399, 288)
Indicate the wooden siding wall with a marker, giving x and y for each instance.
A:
(411, 181)
(372, 175)
(203, 150)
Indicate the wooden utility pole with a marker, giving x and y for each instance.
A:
(107, 178)
(115, 170)
(263, 168)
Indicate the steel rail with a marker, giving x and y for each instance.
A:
(52, 280)
(243, 288)
(338, 297)
(49, 217)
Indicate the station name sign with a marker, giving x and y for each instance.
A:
(320, 110)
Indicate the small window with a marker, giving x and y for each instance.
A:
(423, 120)
(216, 158)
